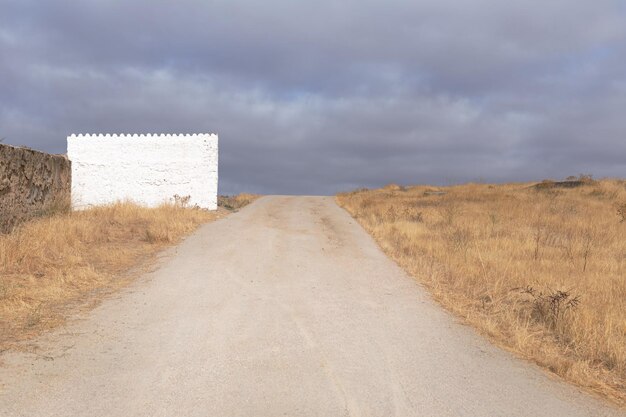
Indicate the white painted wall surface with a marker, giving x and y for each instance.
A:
(147, 169)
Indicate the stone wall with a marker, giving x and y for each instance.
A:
(31, 183)
(147, 169)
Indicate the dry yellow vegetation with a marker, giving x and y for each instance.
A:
(539, 268)
(65, 259)
(235, 202)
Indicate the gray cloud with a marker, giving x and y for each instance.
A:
(322, 96)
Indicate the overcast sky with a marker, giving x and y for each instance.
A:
(327, 95)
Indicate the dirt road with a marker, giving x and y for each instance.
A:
(287, 308)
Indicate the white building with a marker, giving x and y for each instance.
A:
(146, 169)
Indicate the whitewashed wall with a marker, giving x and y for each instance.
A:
(147, 169)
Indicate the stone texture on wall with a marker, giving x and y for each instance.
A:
(30, 183)
(147, 169)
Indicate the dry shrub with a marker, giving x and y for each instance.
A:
(51, 262)
(236, 202)
(477, 245)
(621, 211)
(550, 308)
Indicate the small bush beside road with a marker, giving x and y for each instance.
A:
(235, 202)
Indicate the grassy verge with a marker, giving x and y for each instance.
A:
(539, 268)
(51, 263)
(235, 202)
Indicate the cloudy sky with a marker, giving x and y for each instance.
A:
(319, 96)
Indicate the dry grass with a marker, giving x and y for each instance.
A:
(235, 202)
(51, 263)
(541, 270)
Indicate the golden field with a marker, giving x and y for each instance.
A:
(539, 268)
(54, 263)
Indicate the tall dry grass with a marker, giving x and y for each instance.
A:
(67, 258)
(541, 269)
